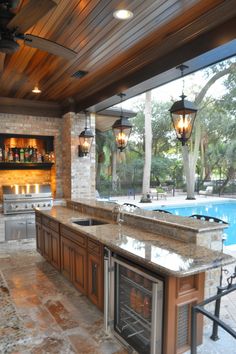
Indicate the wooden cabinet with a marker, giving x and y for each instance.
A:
(39, 238)
(49, 238)
(74, 263)
(79, 258)
(181, 295)
(95, 273)
(55, 250)
(47, 243)
(79, 265)
(66, 258)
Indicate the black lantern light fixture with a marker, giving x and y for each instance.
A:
(183, 114)
(85, 137)
(121, 128)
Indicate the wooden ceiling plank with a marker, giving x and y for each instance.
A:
(75, 69)
(67, 84)
(141, 55)
(110, 53)
(118, 62)
(92, 46)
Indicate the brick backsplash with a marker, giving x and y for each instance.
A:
(31, 125)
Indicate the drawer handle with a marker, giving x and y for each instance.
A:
(21, 223)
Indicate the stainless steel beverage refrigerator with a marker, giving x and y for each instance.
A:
(133, 305)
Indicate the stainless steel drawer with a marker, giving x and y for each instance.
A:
(15, 229)
(18, 229)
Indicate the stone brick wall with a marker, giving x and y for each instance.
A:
(71, 177)
(21, 124)
(78, 172)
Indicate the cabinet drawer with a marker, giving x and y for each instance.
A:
(74, 236)
(45, 221)
(54, 225)
(94, 247)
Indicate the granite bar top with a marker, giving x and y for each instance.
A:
(154, 251)
(179, 222)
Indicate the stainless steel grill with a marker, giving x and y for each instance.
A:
(24, 198)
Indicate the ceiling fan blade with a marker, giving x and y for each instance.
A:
(2, 60)
(49, 46)
(30, 14)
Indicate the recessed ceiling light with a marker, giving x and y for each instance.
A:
(123, 14)
(36, 89)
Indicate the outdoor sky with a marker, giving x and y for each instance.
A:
(173, 90)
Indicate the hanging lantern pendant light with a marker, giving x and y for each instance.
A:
(183, 114)
(122, 129)
(85, 138)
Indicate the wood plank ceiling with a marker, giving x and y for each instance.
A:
(116, 54)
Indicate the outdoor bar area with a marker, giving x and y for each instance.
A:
(98, 255)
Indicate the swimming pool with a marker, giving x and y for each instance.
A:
(222, 210)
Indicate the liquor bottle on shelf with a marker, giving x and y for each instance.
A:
(26, 155)
(6, 149)
(22, 155)
(10, 155)
(1, 154)
(16, 156)
(30, 149)
(34, 155)
(39, 157)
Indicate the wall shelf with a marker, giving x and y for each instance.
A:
(26, 166)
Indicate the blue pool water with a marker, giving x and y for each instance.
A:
(225, 211)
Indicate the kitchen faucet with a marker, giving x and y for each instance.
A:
(118, 214)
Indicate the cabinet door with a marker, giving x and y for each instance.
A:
(39, 239)
(15, 229)
(95, 280)
(47, 243)
(31, 230)
(55, 253)
(80, 268)
(66, 258)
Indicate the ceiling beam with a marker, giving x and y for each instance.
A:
(29, 107)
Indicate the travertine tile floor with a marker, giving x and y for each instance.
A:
(45, 314)
(50, 316)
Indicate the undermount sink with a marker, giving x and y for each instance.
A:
(89, 222)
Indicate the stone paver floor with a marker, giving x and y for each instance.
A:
(47, 315)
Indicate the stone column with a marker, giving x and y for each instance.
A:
(78, 172)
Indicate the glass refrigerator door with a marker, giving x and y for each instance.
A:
(138, 309)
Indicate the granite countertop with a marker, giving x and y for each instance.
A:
(157, 252)
(178, 221)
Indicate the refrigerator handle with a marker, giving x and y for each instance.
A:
(106, 289)
(154, 319)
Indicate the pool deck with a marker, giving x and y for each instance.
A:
(170, 200)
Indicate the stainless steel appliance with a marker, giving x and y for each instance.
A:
(133, 305)
(18, 229)
(24, 198)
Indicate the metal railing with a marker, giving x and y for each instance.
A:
(130, 190)
(199, 308)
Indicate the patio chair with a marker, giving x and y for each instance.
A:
(162, 211)
(208, 218)
(131, 205)
(208, 191)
